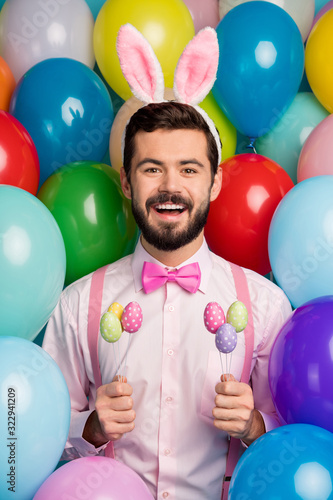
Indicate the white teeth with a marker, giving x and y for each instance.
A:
(169, 207)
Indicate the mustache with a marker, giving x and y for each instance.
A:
(168, 197)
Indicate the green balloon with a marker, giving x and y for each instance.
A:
(94, 217)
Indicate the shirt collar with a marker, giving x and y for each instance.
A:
(202, 256)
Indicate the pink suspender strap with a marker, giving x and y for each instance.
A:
(242, 292)
(94, 316)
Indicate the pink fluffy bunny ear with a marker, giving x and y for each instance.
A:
(140, 65)
(196, 69)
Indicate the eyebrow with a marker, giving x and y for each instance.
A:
(190, 161)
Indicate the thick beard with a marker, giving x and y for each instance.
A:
(167, 238)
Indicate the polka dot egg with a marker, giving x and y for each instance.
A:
(131, 319)
(213, 316)
(237, 316)
(226, 338)
(110, 327)
(117, 309)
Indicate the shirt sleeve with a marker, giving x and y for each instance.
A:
(263, 401)
(61, 341)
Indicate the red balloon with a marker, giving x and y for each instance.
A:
(239, 219)
(19, 163)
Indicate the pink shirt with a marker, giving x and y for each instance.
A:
(172, 365)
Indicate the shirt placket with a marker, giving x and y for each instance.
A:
(169, 393)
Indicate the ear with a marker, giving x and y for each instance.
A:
(197, 67)
(217, 184)
(125, 185)
(140, 65)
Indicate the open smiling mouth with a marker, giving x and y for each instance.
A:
(170, 208)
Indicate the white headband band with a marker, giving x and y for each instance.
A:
(195, 73)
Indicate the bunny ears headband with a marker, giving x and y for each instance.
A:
(195, 73)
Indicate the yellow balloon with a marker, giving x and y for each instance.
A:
(228, 133)
(318, 60)
(166, 24)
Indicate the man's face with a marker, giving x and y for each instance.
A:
(171, 186)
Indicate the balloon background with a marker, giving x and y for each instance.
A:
(63, 108)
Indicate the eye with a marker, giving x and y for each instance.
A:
(152, 170)
(189, 171)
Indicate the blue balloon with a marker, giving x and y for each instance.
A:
(300, 240)
(35, 414)
(293, 462)
(67, 110)
(32, 263)
(261, 65)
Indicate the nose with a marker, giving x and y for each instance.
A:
(170, 182)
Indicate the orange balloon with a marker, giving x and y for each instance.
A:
(7, 84)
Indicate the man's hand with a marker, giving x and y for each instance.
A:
(235, 412)
(113, 416)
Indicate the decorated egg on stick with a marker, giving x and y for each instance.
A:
(213, 316)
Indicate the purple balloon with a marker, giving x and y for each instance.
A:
(301, 365)
(96, 478)
(226, 338)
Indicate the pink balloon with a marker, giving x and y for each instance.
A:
(96, 478)
(204, 13)
(316, 157)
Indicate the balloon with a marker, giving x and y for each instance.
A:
(301, 365)
(67, 110)
(35, 411)
(94, 217)
(300, 241)
(293, 462)
(203, 13)
(95, 6)
(36, 30)
(316, 154)
(7, 84)
(318, 56)
(319, 4)
(19, 164)
(226, 338)
(32, 263)
(167, 25)
(260, 66)
(96, 478)
(302, 11)
(284, 142)
(322, 11)
(239, 219)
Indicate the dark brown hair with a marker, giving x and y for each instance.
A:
(168, 115)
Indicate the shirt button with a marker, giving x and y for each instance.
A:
(167, 452)
(170, 352)
(165, 494)
(168, 399)
(171, 308)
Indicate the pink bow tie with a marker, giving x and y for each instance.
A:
(154, 276)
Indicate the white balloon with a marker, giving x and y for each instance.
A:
(302, 11)
(34, 30)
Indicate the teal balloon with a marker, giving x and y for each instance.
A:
(35, 415)
(284, 142)
(300, 240)
(95, 6)
(261, 64)
(292, 462)
(32, 263)
(319, 4)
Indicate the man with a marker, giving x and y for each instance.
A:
(170, 419)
